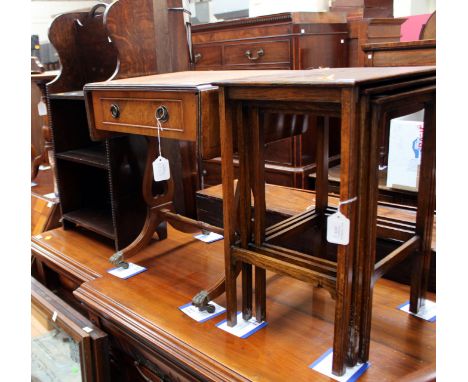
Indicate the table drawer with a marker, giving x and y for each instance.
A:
(257, 53)
(134, 112)
(208, 55)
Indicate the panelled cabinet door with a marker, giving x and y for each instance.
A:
(65, 346)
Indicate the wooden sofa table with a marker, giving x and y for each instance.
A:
(149, 334)
(365, 99)
(187, 106)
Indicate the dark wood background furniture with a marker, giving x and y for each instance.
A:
(370, 30)
(428, 31)
(45, 208)
(364, 8)
(366, 99)
(407, 53)
(146, 330)
(281, 41)
(40, 132)
(98, 177)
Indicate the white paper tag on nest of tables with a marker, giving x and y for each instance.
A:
(201, 316)
(323, 365)
(209, 237)
(161, 169)
(123, 273)
(244, 328)
(427, 311)
(338, 229)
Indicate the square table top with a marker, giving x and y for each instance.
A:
(329, 77)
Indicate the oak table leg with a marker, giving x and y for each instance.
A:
(225, 112)
(321, 199)
(258, 181)
(345, 256)
(367, 223)
(425, 213)
(244, 209)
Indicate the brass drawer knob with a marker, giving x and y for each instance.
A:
(259, 54)
(197, 57)
(115, 111)
(162, 114)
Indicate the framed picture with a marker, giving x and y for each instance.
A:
(65, 346)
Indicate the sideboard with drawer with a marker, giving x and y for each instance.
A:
(303, 40)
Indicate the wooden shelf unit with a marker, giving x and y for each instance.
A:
(87, 177)
(99, 176)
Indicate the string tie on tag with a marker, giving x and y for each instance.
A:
(159, 128)
(341, 203)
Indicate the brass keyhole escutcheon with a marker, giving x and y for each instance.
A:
(162, 114)
(115, 111)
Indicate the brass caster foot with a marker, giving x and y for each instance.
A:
(201, 302)
(118, 260)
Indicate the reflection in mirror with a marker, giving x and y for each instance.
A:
(55, 356)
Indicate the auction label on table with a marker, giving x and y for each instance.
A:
(201, 316)
(244, 328)
(338, 229)
(323, 365)
(209, 237)
(426, 312)
(123, 273)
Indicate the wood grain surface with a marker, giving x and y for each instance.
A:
(300, 317)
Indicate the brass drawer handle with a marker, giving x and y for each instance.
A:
(197, 57)
(260, 53)
(115, 111)
(162, 114)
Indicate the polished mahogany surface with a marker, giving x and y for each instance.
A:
(300, 322)
(181, 79)
(336, 77)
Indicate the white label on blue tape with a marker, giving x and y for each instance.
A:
(209, 237)
(44, 167)
(244, 328)
(201, 316)
(123, 273)
(323, 365)
(427, 311)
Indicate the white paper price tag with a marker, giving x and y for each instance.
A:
(161, 170)
(41, 108)
(338, 229)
